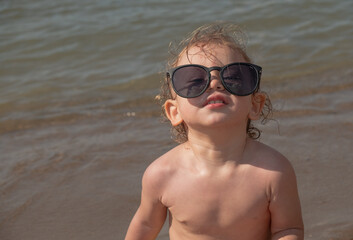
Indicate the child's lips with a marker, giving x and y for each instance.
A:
(215, 101)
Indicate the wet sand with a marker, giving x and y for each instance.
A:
(88, 187)
(316, 132)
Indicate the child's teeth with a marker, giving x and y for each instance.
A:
(217, 101)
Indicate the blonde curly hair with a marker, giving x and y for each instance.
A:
(221, 33)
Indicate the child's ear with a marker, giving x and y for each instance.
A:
(172, 112)
(258, 101)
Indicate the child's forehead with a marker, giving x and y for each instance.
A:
(213, 54)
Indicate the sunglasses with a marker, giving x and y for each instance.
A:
(192, 80)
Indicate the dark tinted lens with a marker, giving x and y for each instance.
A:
(190, 81)
(240, 79)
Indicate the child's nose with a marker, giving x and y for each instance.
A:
(215, 82)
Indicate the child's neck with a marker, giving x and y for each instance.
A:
(216, 150)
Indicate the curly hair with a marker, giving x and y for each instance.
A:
(223, 34)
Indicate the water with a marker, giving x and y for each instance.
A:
(79, 123)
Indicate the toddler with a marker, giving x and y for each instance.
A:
(219, 182)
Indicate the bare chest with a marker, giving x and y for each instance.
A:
(227, 207)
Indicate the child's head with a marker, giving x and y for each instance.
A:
(206, 37)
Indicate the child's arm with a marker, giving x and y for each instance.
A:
(286, 218)
(150, 216)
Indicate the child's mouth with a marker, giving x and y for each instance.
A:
(216, 101)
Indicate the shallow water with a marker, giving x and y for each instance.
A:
(79, 123)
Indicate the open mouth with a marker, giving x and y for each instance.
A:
(216, 101)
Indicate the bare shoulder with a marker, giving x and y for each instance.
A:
(158, 173)
(276, 169)
(268, 158)
(282, 190)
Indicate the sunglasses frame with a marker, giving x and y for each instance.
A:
(258, 70)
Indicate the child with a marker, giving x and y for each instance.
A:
(219, 183)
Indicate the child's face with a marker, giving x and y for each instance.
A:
(216, 105)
